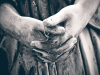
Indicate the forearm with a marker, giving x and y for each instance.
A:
(89, 6)
(10, 22)
(87, 2)
(9, 18)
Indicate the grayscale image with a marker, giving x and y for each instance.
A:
(49, 37)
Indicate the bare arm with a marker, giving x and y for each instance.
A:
(75, 18)
(24, 29)
(88, 6)
(13, 24)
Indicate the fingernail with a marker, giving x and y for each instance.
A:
(75, 41)
(45, 22)
(31, 43)
(63, 30)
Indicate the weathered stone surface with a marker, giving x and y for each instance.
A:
(22, 59)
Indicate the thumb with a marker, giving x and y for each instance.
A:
(56, 19)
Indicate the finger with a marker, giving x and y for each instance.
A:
(55, 30)
(43, 54)
(36, 44)
(38, 25)
(65, 55)
(40, 45)
(56, 19)
(67, 46)
(44, 59)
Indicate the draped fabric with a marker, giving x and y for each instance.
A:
(84, 59)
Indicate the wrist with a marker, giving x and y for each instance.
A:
(88, 6)
(85, 13)
(24, 29)
(12, 23)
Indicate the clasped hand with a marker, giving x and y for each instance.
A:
(73, 19)
(63, 28)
